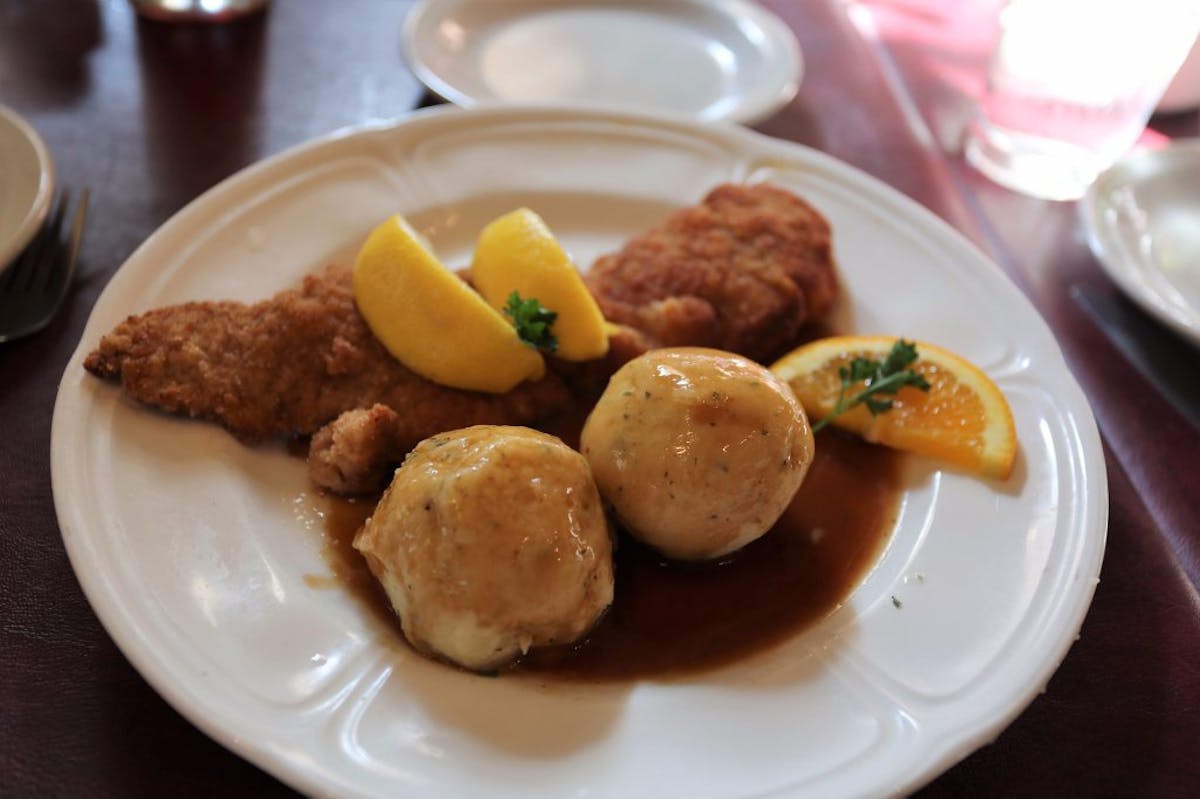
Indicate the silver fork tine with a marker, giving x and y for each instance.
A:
(10, 277)
(36, 251)
(20, 270)
(42, 275)
(35, 285)
(76, 235)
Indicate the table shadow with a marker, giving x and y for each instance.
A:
(1167, 361)
(44, 48)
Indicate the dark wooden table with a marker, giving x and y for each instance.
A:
(150, 115)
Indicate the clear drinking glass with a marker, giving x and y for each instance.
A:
(1071, 85)
(196, 10)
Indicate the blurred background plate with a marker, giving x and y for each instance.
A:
(26, 184)
(702, 59)
(1141, 217)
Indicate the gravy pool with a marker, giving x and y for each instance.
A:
(670, 617)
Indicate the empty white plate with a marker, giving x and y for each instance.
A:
(26, 184)
(1143, 222)
(702, 59)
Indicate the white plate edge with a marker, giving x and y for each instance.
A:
(1110, 254)
(269, 759)
(781, 35)
(35, 216)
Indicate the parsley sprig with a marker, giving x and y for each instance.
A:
(532, 322)
(881, 381)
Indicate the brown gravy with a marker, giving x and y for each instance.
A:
(669, 617)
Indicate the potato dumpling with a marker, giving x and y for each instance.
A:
(697, 451)
(489, 541)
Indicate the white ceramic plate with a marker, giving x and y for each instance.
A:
(702, 59)
(202, 557)
(1142, 221)
(26, 184)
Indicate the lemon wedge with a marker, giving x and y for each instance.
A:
(517, 252)
(432, 321)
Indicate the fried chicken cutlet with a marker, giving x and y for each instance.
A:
(289, 365)
(743, 271)
(352, 454)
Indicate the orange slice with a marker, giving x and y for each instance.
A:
(963, 418)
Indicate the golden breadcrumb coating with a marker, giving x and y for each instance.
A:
(291, 364)
(743, 271)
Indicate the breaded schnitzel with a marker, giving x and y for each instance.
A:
(291, 364)
(742, 271)
(351, 454)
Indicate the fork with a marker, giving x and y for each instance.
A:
(34, 286)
